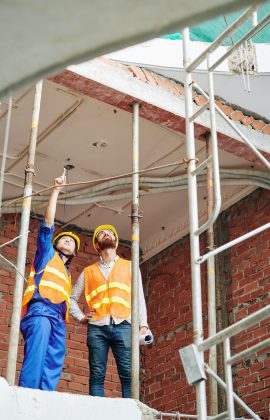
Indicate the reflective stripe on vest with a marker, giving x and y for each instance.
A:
(57, 273)
(110, 300)
(103, 287)
(111, 296)
(54, 285)
(29, 289)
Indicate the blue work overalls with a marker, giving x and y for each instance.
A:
(43, 328)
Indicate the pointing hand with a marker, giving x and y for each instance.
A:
(60, 181)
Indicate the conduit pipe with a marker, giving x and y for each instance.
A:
(262, 177)
(39, 202)
(244, 175)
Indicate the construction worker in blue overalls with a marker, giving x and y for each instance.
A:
(46, 302)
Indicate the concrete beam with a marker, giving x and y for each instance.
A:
(41, 38)
(112, 84)
(30, 404)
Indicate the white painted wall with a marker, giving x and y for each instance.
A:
(31, 404)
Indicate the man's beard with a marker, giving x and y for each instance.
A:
(106, 243)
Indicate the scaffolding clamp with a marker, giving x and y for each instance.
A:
(136, 213)
(186, 160)
(29, 169)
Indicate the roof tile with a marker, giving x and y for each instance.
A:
(180, 89)
(236, 115)
(138, 73)
(219, 103)
(171, 86)
(266, 129)
(149, 76)
(247, 120)
(158, 79)
(258, 124)
(177, 88)
(227, 109)
(200, 100)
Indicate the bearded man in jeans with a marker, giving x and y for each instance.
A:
(107, 288)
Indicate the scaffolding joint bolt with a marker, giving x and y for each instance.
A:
(29, 169)
(137, 214)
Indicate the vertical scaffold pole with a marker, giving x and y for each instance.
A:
(211, 285)
(229, 379)
(22, 246)
(135, 255)
(3, 164)
(193, 220)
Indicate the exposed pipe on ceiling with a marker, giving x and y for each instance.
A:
(120, 189)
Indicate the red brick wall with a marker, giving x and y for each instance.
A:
(247, 288)
(168, 294)
(75, 373)
(243, 277)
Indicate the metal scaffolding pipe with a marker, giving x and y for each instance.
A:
(211, 284)
(214, 45)
(251, 350)
(135, 256)
(235, 396)
(6, 138)
(22, 246)
(215, 160)
(235, 328)
(221, 416)
(229, 380)
(199, 112)
(245, 38)
(243, 137)
(230, 244)
(235, 128)
(193, 219)
(254, 18)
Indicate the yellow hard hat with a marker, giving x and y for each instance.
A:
(103, 227)
(75, 237)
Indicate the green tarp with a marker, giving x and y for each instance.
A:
(210, 30)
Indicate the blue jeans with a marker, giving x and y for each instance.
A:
(99, 340)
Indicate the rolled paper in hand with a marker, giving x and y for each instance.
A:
(146, 339)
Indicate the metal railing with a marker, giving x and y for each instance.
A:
(195, 231)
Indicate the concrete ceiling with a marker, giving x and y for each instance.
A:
(70, 124)
(40, 38)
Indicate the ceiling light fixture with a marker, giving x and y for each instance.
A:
(100, 144)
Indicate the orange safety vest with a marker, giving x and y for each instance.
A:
(55, 284)
(111, 296)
